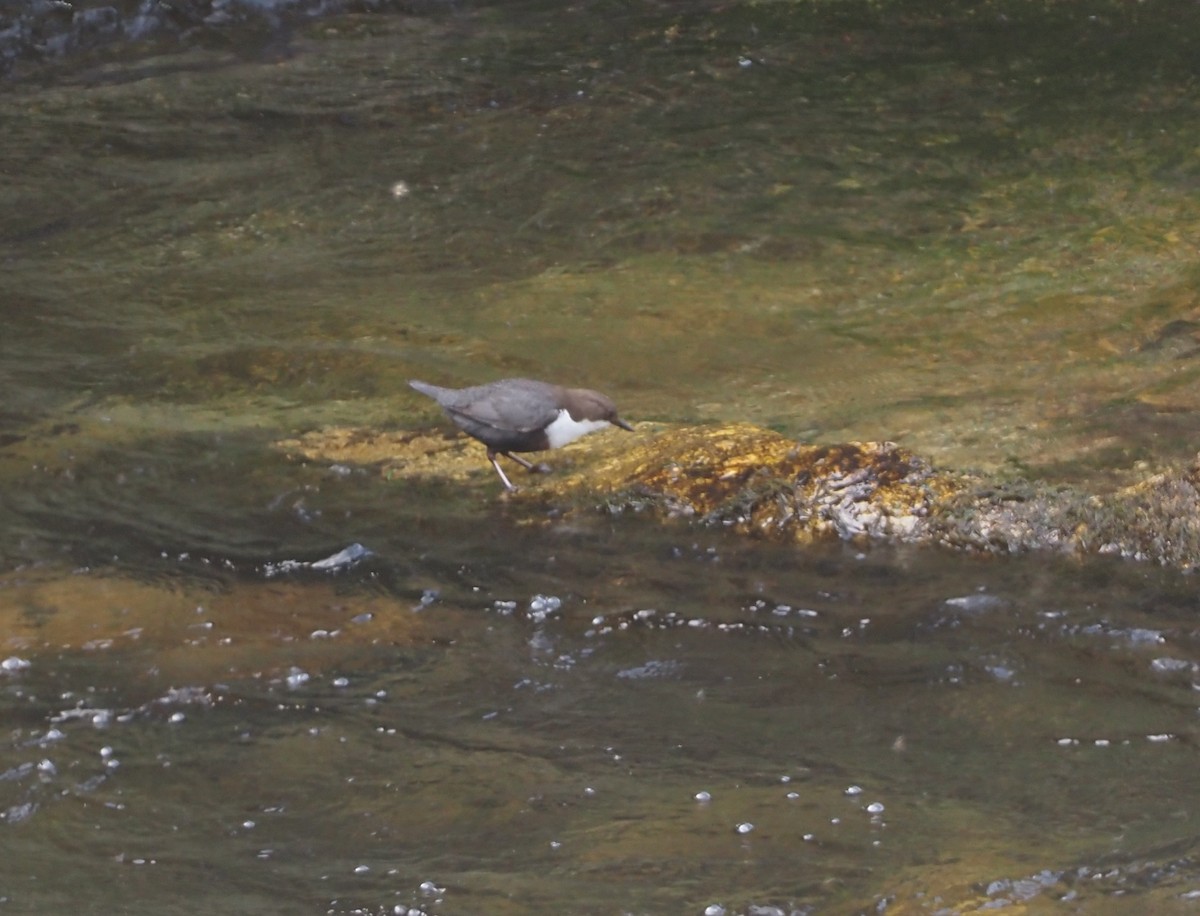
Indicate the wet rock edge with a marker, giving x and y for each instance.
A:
(762, 484)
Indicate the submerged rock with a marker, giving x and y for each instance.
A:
(48, 30)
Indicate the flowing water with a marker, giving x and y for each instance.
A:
(235, 681)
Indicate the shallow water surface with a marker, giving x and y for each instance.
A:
(968, 228)
(613, 718)
(971, 231)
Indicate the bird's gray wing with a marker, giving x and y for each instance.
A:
(508, 407)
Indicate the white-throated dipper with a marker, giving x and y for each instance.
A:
(523, 415)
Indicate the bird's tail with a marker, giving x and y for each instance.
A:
(425, 388)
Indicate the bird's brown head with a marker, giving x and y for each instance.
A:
(585, 404)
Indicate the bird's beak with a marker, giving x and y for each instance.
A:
(621, 423)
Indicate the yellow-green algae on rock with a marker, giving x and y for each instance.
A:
(761, 483)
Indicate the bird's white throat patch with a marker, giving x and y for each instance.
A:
(564, 429)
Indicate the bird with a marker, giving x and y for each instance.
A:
(523, 415)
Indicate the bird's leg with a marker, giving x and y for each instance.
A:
(503, 477)
(527, 465)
